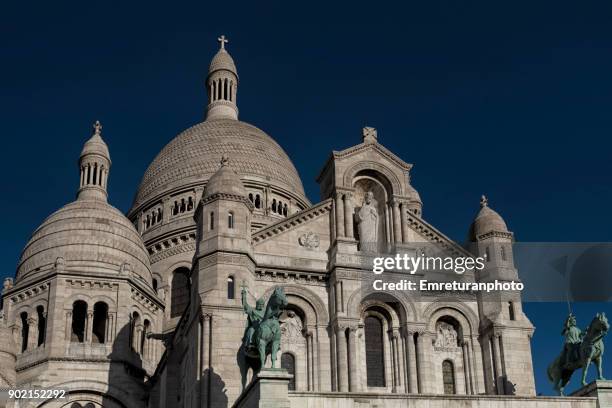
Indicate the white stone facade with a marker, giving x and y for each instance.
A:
(92, 284)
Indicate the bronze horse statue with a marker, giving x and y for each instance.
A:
(266, 335)
(590, 349)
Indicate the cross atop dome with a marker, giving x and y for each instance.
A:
(484, 201)
(222, 41)
(97, 127)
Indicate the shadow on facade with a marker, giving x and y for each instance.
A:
(245, 363)
(217, 395)
(126, 375)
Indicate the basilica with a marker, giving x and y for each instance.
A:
(147, 309)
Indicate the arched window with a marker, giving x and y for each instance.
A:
(42, 325)
(285, 210)
(375, 363)
(511, 311)
(180, 292)
(230, 220)
(257, 201)
(211, 224)
(100, 316)
(448, 376)
(503, 253)
(251, 199)
(487, 254)
(79, 314)
(274, 205)
(288, 363)
(155, 285)
(25, 331)
(230, 287)
(190, 204)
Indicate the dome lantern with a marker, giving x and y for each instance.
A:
(94, 165)
(222, 85)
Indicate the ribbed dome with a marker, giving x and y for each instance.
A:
(486, 220)
(225, 181)
(90, 236)
(222, 60)
(193, 157)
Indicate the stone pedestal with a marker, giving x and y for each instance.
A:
(269, 389)
(602, 390)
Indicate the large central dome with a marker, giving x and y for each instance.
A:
(193, 157)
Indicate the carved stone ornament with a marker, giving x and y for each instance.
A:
(446, 336)
(309, 240)
(60, 264)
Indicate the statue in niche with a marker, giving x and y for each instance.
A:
(291, 328)
(367, 221)
(446, 335)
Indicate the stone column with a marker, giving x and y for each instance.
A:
(396, 357)
(412, 364)
(397, 229)
(339, 216)
(69, 326)
(498, 365)
(424, 367)
(404, 222)
(342, 359)
(88, 326)
(348, 215)
(355, 380)
(476, 365)
(32, 333)
(310, 369)
(205, 355)
(466, 367)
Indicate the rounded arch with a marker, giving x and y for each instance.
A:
(110, 303)
(406, 310)
(371, 167)
(76, 297)
(98, 389)
(310, 301)
(461, 313)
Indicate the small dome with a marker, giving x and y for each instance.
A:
(225, 181)
(222, 61)
(95, 145)
(85, 236)
(486, 220)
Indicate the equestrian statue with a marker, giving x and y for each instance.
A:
(262, 336)
(579, 350)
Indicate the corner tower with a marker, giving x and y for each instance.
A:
(505, 331)
(222, 85)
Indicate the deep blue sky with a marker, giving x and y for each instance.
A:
(509, 99)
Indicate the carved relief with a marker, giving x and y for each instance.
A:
(291, 328)
(446, 336)
(309, 240)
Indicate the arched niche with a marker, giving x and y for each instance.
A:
(368, 180)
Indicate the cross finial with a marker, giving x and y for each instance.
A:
(224, 160)
(484, 201)
(222, 41)
(369, 134)
(97, 126)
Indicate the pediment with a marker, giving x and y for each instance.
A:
(375, 147)
(301, 241)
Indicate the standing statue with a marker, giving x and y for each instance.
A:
(579, 350)
(262, 337)
(367, 219)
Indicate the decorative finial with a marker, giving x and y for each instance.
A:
(224, 160)
(222, 41)
(97, 126)
(369, 134)
(484, 201)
